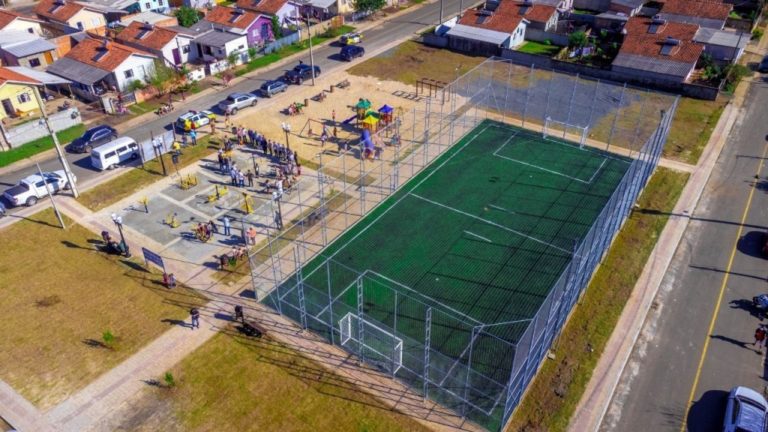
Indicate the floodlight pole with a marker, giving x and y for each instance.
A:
(59, 153)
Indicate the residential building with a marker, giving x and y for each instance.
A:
(255, 27)
(150, 17)
(722, 45)
(74, 15)
(325, 9)
(217, 45)
(16, 94)
(172, 47)
(134, 6)
(97, 66)
(488, 29)
(561, 5)
(12, 21)
(539, 16)
(32, 52)
(657, 49)
(286, 11)
(710, 14)
(627, 8)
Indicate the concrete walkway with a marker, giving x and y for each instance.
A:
(20, 413)
(606, 375)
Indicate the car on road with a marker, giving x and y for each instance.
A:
(237, 101)
(763, 66)
(32, 188)
(350, 52)
(92, 138)
(300, 73)
(197, 118)
(746, 411)
(273, 87)
(351, 38)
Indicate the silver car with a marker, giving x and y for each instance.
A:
(237, 101)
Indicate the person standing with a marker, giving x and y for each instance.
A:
(195, 315)
(171, 281)
(249, 174)
(759, 338)
(227, 226)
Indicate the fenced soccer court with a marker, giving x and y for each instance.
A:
(439, 284)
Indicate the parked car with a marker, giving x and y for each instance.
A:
(92, 138)
(746, 411)
(300, 73)
(271, 88)
(114, 153)
(763, 66)
(350, 52)
(197, 118)
(30, 189)
(237, 101)
(351, 38)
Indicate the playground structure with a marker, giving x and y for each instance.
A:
(433, 89)
(308, 127)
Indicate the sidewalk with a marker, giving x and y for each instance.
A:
(597, 397)
(20, 413)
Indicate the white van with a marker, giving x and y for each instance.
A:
(109, 155)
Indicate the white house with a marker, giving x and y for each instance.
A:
(484, 31)
(218, 45)
(173, 47)
(135, 6)
(76, 15)
(12, 21)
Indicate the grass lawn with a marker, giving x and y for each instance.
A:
(237, 383)
(411, 61)
(39, 145)
(533, 47)
(137, 178)
(60, 295)
(594, 319)
(691, 128)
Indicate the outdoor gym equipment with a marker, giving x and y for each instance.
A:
(200, 233)
(220, 192)
(247, 203)
(172, 221)
(189, 182)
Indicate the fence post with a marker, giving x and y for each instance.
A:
(330, 299)
(274, 273)
(300, 286)
(592, 106)
(360, 325)
(465, 406)
(427, 348)
(549, 90)
(528, 93)
(615, 118)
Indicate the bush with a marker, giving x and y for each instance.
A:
(170, 382)
(547, 42)
(734, 73)
(757, 34)
(108, 338)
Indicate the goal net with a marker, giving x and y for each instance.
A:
(374, 344)
(566, 131)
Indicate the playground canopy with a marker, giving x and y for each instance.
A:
(363, 104)
(386, 109)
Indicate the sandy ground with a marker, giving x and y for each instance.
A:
(341, 100)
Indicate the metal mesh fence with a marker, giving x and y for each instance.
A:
(478, 368)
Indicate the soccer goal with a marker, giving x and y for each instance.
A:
(559, 129)
(375, 345)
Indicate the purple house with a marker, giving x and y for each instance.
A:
(255, 27)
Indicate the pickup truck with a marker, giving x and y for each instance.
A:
(30, 189)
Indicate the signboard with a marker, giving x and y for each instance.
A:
(151, 257)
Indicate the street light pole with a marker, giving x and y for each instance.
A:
(118, 220)
(311, 55)
(287, 129)
(56, 144)
(50, 196)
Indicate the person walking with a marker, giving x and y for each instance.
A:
(227, 226)
(759, 338)
(195, 315)
(249, 175)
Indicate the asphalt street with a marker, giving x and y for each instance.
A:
(706, 296)
(389, 30)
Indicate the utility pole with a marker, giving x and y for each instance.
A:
(47, 189)
(311, 56)
(441, 14)
(159, 152)
(56, 144)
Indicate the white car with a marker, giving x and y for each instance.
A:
(30, 189)
(746, 411)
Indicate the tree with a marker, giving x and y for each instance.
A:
(136, 85)
(187, 16)
(277, 31)
(252, 53)
(162, 78)
(577, 39)
(232, 59)
(108, 338)
(368, 5)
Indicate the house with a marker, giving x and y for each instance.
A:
(255, 27)
(539, 16)
(174, 48)
(16, 94)
(150, 17)
(627, 8)
(134, 6)
(19, 48)
(562, 6)
(488, 29)
(657, 49)
(12, 21)
(286, 11)
(97, 66)
(77, 16)
(218, 45)
(722, 45)
(710, 14)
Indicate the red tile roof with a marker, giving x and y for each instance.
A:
(231, 17)
(269, 7)
(701, 9)
(9, 75)
(88, 50)
(507, 16)
(57, 10)
(639, 42)
(146, 35)
(7, 17)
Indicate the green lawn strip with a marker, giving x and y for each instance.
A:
(39, 145)
(135, 179)
(286, 237)
(691, 128)
(290, 50)
(258, 384)
(533, 47)
(552, 397)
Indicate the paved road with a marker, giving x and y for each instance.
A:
(326, 57)
(659, 380)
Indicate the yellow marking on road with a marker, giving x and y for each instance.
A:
(720, 296)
